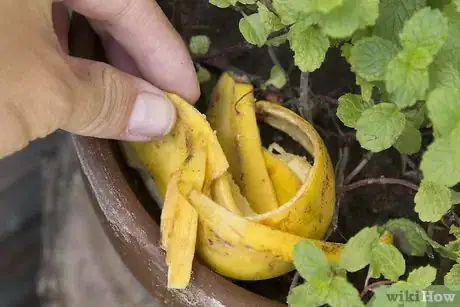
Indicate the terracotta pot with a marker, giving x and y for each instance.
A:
(131, 222)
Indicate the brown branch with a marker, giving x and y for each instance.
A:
(382, 180)
(358, 168)
(375, 285)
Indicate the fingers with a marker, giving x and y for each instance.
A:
(60, 17)
(141, 28)
(112, 104)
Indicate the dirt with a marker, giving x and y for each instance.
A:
(358, 208)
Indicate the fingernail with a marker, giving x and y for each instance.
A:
(152, 116)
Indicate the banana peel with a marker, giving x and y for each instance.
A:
(239, 206)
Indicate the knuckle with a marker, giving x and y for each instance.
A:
(110, 97)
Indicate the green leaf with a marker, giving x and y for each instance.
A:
(452, 278)
(277, 40)
(380, 126)
(311, 262)
(357, 251)
(418, 58)
(445, 71)
(455, 230)
(444, 74)
(325, 6)
(222, 3)
(199, 44)
(441, 161)
(246, 1)
(370, 56)
(277, 77)
(289, 10)
(345, 19)
(457, 4)
(432, 201)
(253, 29)
(427, 28)
(366, 88)
(343, 294)
(410, 237)
(350, 109)
(422, 277)
(417, 114)
(345, 50)
(309, 46)
(269, 19)
(390, 261)
(392, 15)
(443, 106)
(374, 269)
(203, 75)
(410, 140)
(455, 197)
(406, 83)
(307, 295)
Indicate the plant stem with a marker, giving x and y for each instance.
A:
(382, 180)
(358, 168)
(375, 285)
(304, 102)
(295, 281)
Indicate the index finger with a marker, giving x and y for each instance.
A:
(143, 30)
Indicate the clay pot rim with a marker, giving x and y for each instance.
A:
(133, 232)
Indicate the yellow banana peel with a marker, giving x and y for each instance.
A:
(239, 206)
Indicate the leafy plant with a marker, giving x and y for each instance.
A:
(404, 57)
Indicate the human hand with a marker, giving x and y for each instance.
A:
(44, 89)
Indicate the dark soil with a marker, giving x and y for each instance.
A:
(358, 208)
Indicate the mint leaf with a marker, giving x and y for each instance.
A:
(443, 106)
(422, 277)
(374, 269)
(277, 40)
(457, 4)
(357, 251)
(309, 46)
(199, 44)
(345, 19)
(307, 295)
(370, 56)
(441, 162)
(253, 29)
(446, 67)
(427, 28)
(350, 109)
(325, 6)
(409, 236)
(416, 115)
(343, 294)
(380, 126)
(222, 3)
(203, 75)
(444, 74)
(289, 11)
(455, 197)
(311, 262)
(432, 201)
(406, 83)
(277, 77)
(418, 58)
(392, 15)
(270, 21)
(390, 261)
(410, 140)
(366, 88)
(452, 278)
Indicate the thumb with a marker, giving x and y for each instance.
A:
(112, 104)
